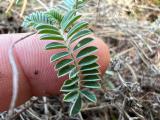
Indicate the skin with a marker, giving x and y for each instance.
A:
(37, 74)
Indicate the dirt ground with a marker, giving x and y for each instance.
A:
(132, 82)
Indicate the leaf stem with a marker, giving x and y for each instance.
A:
(72, 56)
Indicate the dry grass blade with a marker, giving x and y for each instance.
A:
(15, 73)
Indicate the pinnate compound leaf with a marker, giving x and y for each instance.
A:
(54, 45)
(88, 60)
(65, 70)
(89, 95)
(83, 43)
(63, 63)
(86, 51)
(76, 28)
(80, 34)
(43, 22)
(91, 78)
(76, 107)
(71, 96)
(58, 56)
(35, 19)
(89, 67)
(94, 85)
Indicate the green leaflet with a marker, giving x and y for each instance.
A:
(83, 43)
(46, 26)
(80, 34)
(76, 107)
(71, 96)
(90, 72)
(58, 56)
(70, 22)
(48, 31)
(17, 2)
(65, 70)
(51, 37)
(86, 51)
(89, 67)
(71, 81)
(67, 17)
(88, 60)
(69, 88)
(76, 28)
(68, 5)
(73, 73)
(54, 45)
(35, 19)
(89, 95)
(93, 84)
(69, 2)
(63, 63)
(91, 78)
(55, 15)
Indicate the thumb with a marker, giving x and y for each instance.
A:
(37, 74)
